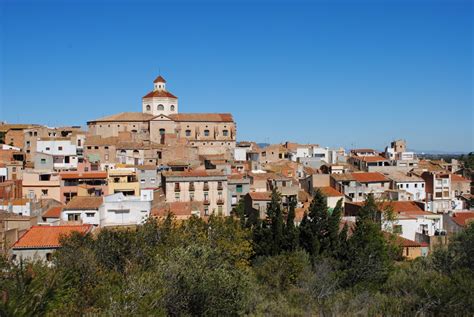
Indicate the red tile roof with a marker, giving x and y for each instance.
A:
(260, 196)
(193, 173)
(160, 93)
(47, 236)
(463, 218)
(377, 158)
(458, 178)
(202, 117)
(330, 192)
(369, 177)
(404, 242)
(53, 212)
(159, 79)
(85, 175)
(84, 203)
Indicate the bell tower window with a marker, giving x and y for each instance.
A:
(172, 107)
(161, 107)
(148, 108)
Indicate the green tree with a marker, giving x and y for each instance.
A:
(291, 232)
(367, 259)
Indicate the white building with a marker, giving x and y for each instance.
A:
(160, 101)
(121, 210)
(64, 152)
(412, 184)
(412, 223)
(240, 153)
(84, 209)
(3, 172)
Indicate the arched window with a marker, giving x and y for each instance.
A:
(148, 108)
(172, 107)
(161, 107)
(162, 131)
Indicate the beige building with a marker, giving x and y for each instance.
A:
(41, 184)
(160, 123)
(206, 186)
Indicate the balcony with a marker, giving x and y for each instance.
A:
(191, 187)
(219, 186)
(206, 187)
(177, 189)
(206, 201)
(220, 201)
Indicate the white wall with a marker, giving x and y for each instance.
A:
(118, 209)
(417, 189)
(240, 154)
(411, 226)
(24, 210)
(83, 215)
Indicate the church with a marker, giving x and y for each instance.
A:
(161, 123)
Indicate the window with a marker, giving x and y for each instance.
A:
(225, 132)
(397, 229)
(152, 180)
(96, 147)
(79, 142)
(73, 217)
(191, 196)
(106, 147)
(176, 196)
(238, 188)
(148, 108)
(160, 108)
(142, 181)
(206, 211)
(60, 148)
(45, 177)
(49, 257)
(172, 108)
(206, 132)
(159, 155)
(188, 132)
(89, 147)
(44, 192)
(106, 157)
(90, 214)
(416, 185)
(43, 161)
(13, 169)
(47, 148)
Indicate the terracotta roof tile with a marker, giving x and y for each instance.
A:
(463, 218)
(53, 212)
(159, 79)
(84, 175)
(260, 195)
(84, 203)
(202, 117)
(330, 192)
(458, 178)
(48, 236)
(369, 177)
(160, 94)
(125, 116)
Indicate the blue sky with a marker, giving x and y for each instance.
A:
(337, 73)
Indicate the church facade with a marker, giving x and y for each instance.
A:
(161, 123)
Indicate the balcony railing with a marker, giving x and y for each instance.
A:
(191, 187)
(220, 201)
(207, 202)
(206, 187)
(219, 186)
